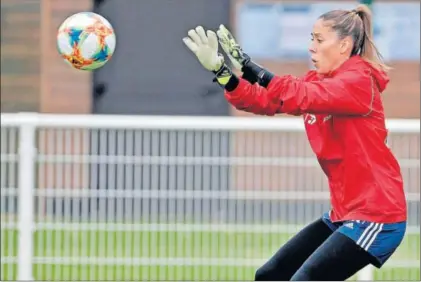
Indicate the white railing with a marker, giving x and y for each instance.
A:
(87, 197)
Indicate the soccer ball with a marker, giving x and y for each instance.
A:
(86, 41)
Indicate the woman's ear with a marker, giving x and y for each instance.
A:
(346, 45)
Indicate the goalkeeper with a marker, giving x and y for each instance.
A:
(341, 105)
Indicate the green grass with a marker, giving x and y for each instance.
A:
(172, 273)
(163, 244)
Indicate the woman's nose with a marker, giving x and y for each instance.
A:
(312, 48)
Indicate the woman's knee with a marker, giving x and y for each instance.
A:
(301, 275)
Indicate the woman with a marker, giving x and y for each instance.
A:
(345, 124)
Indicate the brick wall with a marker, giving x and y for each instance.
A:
(20, 59)
(66, 90)
(33, 77)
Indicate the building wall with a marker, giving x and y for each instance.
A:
(402, 96)
(65, 89)
(35, 79)
(20, 60)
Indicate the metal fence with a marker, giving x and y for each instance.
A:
(169, 198)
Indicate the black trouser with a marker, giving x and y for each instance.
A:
(315, 253)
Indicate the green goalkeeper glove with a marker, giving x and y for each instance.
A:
(252, 72)
(232, 48)
(205, 47)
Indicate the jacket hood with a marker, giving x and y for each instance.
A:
(380, 77)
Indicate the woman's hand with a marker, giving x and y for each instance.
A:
(232, 48)
(205, 47)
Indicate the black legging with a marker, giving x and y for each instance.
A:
(315, 253)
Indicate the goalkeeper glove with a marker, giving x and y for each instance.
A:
(240, 60)
(205, 47)
(232, 48)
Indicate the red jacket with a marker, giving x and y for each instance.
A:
(345, 125)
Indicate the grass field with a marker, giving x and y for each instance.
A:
(134, 255)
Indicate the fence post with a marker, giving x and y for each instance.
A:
(26, 199)
(366, 274)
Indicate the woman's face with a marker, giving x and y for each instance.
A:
(327, 50)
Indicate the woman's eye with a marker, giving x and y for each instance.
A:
(318, 40)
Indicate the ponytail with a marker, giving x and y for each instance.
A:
(369, 51)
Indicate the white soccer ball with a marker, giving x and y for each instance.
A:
(86, 41)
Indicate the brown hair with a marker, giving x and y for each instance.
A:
(359, 25)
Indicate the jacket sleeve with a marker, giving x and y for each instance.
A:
(348, 93)
(253, 98)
